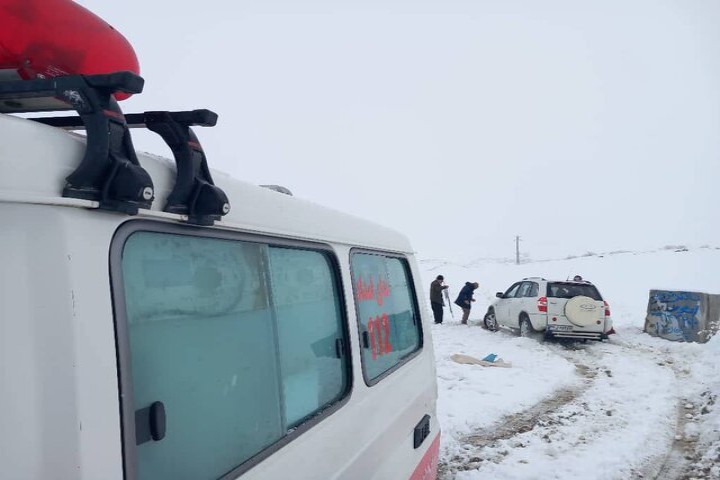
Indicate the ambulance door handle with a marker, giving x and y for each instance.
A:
(150, 423)
(339, 348)
(366, 339)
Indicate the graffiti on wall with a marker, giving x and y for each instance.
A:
(674, 315)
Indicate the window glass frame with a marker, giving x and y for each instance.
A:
(414, 302)
(507, 292)
(575, 285)
(122, 340)
(524, 290)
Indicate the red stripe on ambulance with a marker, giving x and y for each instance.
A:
(428, 466)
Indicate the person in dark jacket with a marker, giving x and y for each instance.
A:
(465, 299)
(436, 298)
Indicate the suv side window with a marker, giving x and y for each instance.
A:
(524, 290)
(239, 342)
(387, 312)
(510, 293)
(534, 289)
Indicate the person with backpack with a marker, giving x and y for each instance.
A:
(436, 298)
(465, 299)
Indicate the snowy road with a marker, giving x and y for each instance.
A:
(632, 407)
(591, 411)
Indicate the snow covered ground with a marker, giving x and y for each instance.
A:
(635, 406)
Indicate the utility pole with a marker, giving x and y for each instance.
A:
(517, 250)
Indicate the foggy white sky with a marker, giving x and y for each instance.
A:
(578, 125)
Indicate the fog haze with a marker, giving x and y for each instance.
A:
(580, 126)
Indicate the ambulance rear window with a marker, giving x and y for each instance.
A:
(387, 313)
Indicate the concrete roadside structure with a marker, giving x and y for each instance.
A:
(682, 316)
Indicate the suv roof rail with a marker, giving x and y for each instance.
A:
(110, 172)
(535, 278)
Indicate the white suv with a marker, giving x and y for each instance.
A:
(564, 309)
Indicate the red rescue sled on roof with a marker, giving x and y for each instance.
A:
(52, 38)
(57, 56)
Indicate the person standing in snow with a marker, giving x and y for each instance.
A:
(436, 298)
(465, 299)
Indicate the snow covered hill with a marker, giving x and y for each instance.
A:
(633, 407)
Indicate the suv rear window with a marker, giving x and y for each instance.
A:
(570, 290)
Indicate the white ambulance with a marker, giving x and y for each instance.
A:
(159, 321)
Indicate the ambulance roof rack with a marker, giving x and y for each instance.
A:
(194, 193)
(109, 172)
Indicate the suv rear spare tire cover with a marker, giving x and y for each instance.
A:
(582, 311)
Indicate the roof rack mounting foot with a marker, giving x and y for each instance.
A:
(109, 172)
(194, 194)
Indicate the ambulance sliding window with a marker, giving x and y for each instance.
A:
(241, 342)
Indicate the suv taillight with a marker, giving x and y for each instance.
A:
(607, 309)
(542, 304)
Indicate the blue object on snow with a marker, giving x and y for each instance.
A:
(490, 358)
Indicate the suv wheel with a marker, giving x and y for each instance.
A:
(491, 321)
(527, 330)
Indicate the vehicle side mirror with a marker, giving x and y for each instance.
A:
(499, 295)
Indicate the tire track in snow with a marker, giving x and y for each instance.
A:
(512, 425)
(565, 422)
(685, 459)
(674, 464)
